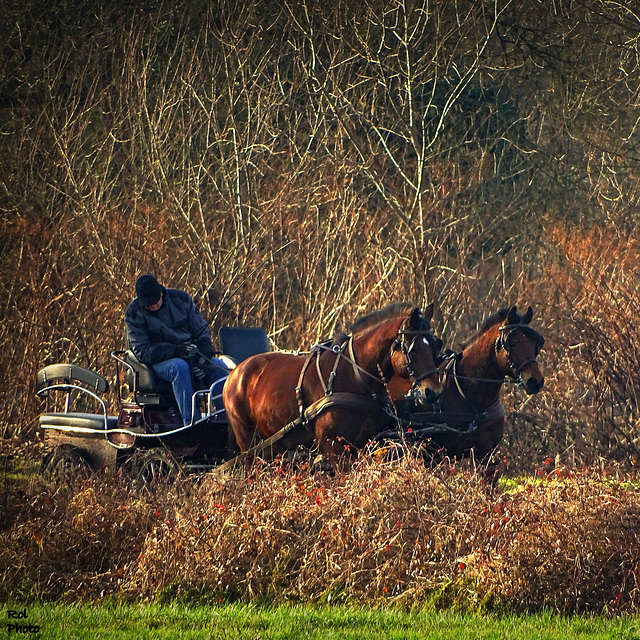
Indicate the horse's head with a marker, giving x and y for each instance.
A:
(415, 356)
(520, 345)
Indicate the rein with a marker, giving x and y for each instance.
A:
(457, 376)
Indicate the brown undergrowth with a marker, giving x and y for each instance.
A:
(394, 533)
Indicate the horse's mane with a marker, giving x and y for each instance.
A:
(392, 310)
(374, 318)
(498, 316)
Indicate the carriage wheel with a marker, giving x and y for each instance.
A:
(66, 463)
(157, 465)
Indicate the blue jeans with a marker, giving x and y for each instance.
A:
(178, 372)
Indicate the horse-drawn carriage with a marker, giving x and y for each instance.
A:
(384, 380)
(146, 435)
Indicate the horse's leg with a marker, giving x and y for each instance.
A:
(341, 433)
(232, 444)
(493, 471)
(485, 448)
(330, 441)
(244, 432)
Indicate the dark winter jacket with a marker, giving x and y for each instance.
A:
(154, 336)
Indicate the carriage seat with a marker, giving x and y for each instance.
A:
(72, 379)
(74, 421)
(145, 385)
(236, 343)
(69, 374)
(241, 342)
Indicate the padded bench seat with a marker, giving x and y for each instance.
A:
(76, 421)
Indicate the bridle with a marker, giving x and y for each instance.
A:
(502, 342)
(407, 346)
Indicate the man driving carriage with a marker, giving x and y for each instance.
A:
(166, 331)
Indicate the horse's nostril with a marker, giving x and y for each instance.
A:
(534, 385)
(431, 396)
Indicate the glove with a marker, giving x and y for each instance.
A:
(187, 350)
(198, 372)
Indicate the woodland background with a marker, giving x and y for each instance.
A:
(296, 164)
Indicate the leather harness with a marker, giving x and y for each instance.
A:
(332, 399)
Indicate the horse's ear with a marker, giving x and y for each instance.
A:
(526, 318)
(428, 313)
(415, 319)
(512, 316)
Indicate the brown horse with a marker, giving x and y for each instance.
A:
(469, 414)
(336, 393)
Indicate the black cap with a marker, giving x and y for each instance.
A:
(148, 290)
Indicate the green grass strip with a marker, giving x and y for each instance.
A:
(240, 622)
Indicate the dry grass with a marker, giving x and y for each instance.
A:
(395, 533)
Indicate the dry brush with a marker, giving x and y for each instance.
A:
(386, 533)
